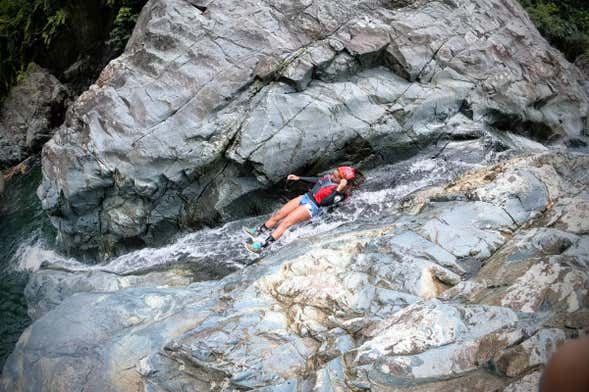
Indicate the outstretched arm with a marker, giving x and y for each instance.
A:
(294, 177)
(310, 179)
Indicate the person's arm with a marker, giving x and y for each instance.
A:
(294, 177)
(337, 196)
(310, 179)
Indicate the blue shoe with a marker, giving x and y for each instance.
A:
(255, 247)
(253, 233)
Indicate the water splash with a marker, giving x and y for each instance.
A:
(32, 253)
(223, 246)
(22, 221)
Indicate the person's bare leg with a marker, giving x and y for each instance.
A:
(283, 212)
(300, 214)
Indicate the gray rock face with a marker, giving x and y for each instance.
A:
(30, 114)
(433, 341)
(49, 288)
(527, 384)
(381, 304)
(212, 101)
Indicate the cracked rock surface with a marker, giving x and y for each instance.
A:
(452, 287)
(213, 101)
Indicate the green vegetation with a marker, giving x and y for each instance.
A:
(565, 24)
(122, 27)
(31, 29)
(22, 25)
(25, 25)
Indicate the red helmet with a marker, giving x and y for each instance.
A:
(347, 172)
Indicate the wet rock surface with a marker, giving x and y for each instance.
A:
(380, 301)
(213, 253)
(212, 102)
(461, 263)
(30, 114)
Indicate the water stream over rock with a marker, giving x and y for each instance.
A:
(460, 263)
(202, 255)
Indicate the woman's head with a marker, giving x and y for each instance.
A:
(346, 172)
(354, 177)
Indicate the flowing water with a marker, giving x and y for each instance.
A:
(22, 225)
(210, 252)
(221, 248)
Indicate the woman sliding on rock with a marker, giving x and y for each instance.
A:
(328, 190)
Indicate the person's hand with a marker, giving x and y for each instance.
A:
(342, 184)
(293, 177)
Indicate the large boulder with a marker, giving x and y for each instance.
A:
(212, 101)
(30, 114)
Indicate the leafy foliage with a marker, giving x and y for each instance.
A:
(128, 11)
(23, 23)
(54, 23)
(565, 24)
(29, 28)
(122, 29)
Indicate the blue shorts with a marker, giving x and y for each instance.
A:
(311, 206)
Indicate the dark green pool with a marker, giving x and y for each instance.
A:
(22, 222)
